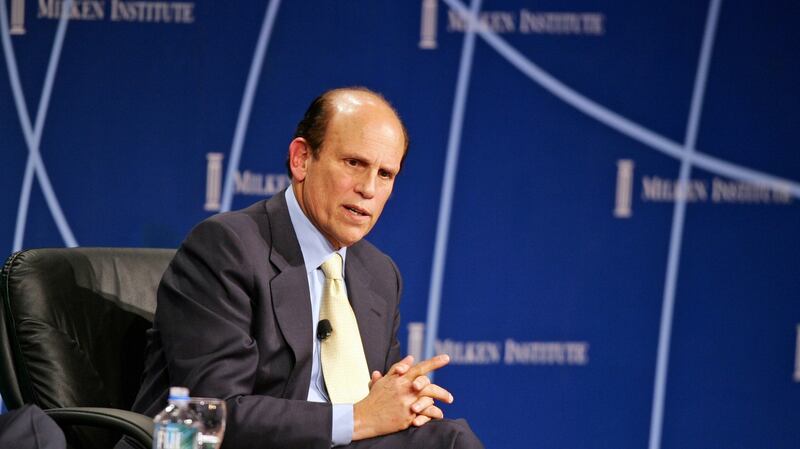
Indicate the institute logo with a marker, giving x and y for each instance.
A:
(507, 352)
(164, 12)
(521, 21)
(715, 191)
(245, 182)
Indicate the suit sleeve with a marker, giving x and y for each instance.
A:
(205, 318)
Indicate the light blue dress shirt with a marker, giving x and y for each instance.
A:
(316, 249)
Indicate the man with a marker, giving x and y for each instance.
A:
(241, 304)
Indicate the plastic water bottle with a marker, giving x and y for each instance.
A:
(176, 427)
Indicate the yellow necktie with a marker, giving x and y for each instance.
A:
(343, 362)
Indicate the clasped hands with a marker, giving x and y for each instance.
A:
(403, 397)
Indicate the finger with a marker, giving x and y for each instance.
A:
(420, 420)
(421, 404)
(426, 366)
(402, 366)
(432, 412)
(421, 382)
(376, 376)
(438, 393)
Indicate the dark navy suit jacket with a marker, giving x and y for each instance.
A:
(233, 321)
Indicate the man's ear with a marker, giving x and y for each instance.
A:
(299, 154)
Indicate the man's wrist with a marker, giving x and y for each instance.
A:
(362, 425)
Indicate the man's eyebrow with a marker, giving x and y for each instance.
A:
(355, 158)
(362, 159)
(391, 171)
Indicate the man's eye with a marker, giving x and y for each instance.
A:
(351, 162)
(385, 174)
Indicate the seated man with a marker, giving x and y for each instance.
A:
(283, 310)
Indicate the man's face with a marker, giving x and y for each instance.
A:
(343, 191)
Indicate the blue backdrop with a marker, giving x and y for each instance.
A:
(598, 218)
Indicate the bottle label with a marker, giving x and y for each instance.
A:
(174, 436)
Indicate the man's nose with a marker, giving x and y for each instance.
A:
(366, 184)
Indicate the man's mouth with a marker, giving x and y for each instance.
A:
(357, 210)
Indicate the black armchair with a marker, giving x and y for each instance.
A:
(72, 337)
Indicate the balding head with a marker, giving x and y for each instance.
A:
(348, 100)
(344, 162)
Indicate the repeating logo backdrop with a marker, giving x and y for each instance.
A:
(598, 218)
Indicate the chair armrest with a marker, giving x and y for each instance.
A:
(136, 426)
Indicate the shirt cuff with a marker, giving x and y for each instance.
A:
(342, 417)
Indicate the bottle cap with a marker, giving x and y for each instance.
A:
(179, 393)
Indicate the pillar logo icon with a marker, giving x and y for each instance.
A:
(17, 19)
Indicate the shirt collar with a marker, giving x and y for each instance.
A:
(315, 247)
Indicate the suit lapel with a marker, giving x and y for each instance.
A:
(369, 308)
(290, 295)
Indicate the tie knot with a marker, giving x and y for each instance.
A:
(333, 267)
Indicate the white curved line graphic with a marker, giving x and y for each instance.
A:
(448, 186)
(676, 232)
(33, 136)
(247, 103)
(616, 121)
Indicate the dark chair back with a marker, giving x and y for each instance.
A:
(72, 332)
